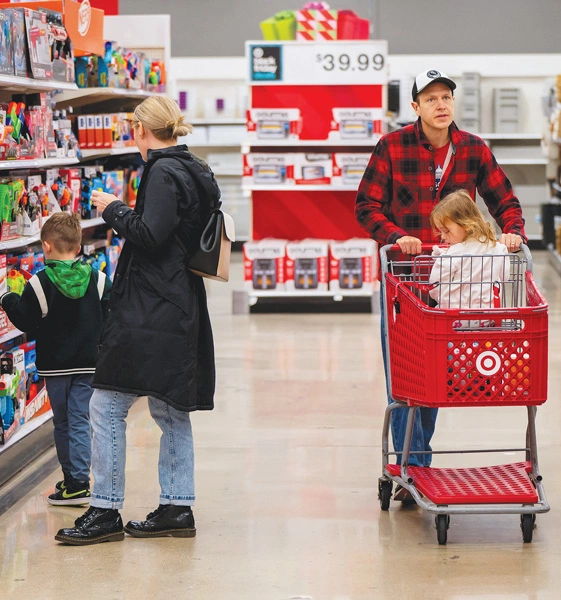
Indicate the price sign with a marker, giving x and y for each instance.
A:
(318, 63)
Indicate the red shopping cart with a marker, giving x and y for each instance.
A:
(488, 355)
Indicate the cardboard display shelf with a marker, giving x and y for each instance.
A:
(83, 23)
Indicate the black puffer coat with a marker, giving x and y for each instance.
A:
(157, 338)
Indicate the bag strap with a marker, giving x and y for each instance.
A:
(101, 277)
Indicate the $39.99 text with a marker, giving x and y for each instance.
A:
(344, 62)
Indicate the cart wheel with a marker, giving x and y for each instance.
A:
(442, 523)
(384, 493)
(527, 526)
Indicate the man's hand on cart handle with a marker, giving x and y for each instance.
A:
(409, 244)
(512, 241)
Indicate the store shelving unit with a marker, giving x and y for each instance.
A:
(12, 83)
(92, 153)
(343, 79)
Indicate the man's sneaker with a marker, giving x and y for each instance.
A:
(96, 525)
(75, 493)
(167, 519)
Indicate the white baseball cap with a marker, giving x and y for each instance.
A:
(426, 78)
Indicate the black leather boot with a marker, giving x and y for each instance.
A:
(94, 526)
(167, 519)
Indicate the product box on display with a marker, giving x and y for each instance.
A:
(37, 31)
(312, 169)
(356, 124)
(39, 405)
(262, 168)
(7, 54)
(273, 124)
(264, 267)
(349, 167)
(306, 265)
(352, 265)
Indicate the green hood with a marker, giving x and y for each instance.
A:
(70, 277)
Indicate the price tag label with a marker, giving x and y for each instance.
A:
(318, 63)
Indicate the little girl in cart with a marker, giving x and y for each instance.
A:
(459, 277)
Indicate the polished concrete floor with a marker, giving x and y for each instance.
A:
(287, 467)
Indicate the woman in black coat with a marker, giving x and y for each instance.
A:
(157, 339)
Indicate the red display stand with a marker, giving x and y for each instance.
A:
(316, 111)
(337, 90)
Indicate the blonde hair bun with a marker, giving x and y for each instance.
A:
(161, 115)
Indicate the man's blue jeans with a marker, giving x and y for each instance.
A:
(108, 411)
(425, 419)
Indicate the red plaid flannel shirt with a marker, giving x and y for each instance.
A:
(397, 193)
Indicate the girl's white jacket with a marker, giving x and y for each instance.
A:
(466, 274)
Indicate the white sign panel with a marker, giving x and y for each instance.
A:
(361, 62)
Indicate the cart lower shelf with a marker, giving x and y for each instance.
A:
(502, 484)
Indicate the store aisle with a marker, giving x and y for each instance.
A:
(287, 469)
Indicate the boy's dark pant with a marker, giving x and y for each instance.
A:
(70, 398)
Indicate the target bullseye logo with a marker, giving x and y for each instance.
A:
(488, 363)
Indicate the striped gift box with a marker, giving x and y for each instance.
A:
(326, 24)
(306, 24)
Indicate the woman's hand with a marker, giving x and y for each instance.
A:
(101, 200)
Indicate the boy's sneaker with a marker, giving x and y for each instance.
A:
(60, 485)
(75, 493)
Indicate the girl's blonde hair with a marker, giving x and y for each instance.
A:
(460, 208)
(162, 117)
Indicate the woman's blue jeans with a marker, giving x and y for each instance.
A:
(108, 411)
(425, 419)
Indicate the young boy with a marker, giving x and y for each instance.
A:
(62, 307)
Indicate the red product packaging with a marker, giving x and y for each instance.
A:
(82, 131)
(98, 124)
(261, 168)
(352, 265)
(107, 131)
(90, 131)
(264, 264)
(73, 180)
(306, 265)
(273, 123)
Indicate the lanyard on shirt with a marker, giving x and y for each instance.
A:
(445, 166)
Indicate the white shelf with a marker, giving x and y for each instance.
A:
(324, 143)
(522, 161)
(510, 136)
(218, 121)
(300, 188)
(295, 294)
(92, 94)
(37, 163)
(95, 152)
(27, 428)
(23, 241)
(213, 145)
(10, 336)
(26, 84)
(86, 223)
(227, 172)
